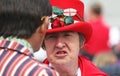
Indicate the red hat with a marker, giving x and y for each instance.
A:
(68, 15)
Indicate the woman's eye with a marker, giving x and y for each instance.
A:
(51, 36)
(66, 35)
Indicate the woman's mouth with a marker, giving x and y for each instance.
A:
(61, 54)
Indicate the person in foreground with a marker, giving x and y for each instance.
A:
(23, 25)
(66, 36)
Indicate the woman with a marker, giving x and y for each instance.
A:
(66, 35)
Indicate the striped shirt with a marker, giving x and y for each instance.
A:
(17, 60)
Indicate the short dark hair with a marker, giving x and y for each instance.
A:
(21, 18)
(96, 8)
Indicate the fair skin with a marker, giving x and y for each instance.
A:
(37, 38)
(62, 51)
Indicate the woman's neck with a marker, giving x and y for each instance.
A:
(69, 69)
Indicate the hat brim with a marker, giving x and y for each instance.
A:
(81, 27)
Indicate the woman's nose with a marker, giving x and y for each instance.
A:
(60, 43)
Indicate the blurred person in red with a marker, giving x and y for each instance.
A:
(100, 37)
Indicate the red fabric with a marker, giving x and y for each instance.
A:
(99, 39)
(87, 68)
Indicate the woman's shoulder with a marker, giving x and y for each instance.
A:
(88, 68)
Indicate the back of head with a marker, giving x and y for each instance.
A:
(21, 18)
(96, 8)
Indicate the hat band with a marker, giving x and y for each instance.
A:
(51, 26)
(64, 17)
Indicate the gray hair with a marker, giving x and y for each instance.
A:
(82, 39)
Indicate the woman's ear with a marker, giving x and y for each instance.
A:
(82, 46)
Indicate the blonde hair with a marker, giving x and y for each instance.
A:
(104, 58)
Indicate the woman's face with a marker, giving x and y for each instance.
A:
(62, 47)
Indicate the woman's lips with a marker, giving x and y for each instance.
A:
(61, 53)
